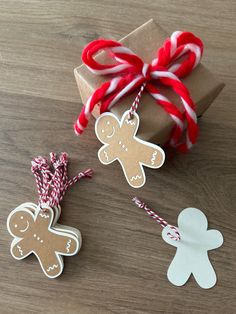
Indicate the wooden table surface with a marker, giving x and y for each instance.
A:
(122, 265)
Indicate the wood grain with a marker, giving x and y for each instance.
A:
(123, 262)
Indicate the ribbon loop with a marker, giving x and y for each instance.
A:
(126, 60)
(178, 56)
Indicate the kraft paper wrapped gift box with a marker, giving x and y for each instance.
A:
(155, 123)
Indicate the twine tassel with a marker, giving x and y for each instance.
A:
(52, 178)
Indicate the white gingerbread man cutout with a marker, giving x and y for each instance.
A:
(191, 256)
(120, 143)
(33, 232)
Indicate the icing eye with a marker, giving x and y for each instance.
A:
(103, 131)
(34, 235)
(21, 217)
(108, 122)
(16, 225)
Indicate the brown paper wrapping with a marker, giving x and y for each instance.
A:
(156, 124)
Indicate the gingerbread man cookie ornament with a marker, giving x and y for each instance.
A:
(191, 256)
(122, 144)
(33, 232)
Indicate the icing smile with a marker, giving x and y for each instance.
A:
(112, 133)
(23, 230)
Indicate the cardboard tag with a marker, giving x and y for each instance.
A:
(122, 144)
(37, 232)
(191, 256)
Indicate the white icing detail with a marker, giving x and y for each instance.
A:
(136, 178)
(38, 238)
(35, 236)
(106, 155)
(20, 250)
(23, 230)
(44, 215)
(41, 241)
(112, 133)
(123, 146)
(21, 217)
(52, 267)
(68, 246)
(16, 226)
(130, 122)
(153, 157)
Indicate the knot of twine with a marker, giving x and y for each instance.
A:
(52, 178)
(177, 57)
(175, 236)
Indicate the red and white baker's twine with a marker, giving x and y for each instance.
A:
(52, 179)
(131, 72)
(158, 219)
(136, 101)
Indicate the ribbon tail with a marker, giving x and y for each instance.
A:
(85, 114)
(189, 111)
(172, 110)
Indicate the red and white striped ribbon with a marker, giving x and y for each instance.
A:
(158, 219)
(52, 178)
(178, 56)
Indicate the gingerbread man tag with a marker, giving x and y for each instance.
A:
(33, 232)
(34, 227)
(122, 144)
(193, 241)
(192, 251)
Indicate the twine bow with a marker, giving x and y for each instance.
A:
(130, 73)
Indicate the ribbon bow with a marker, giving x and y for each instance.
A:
(130, 73)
